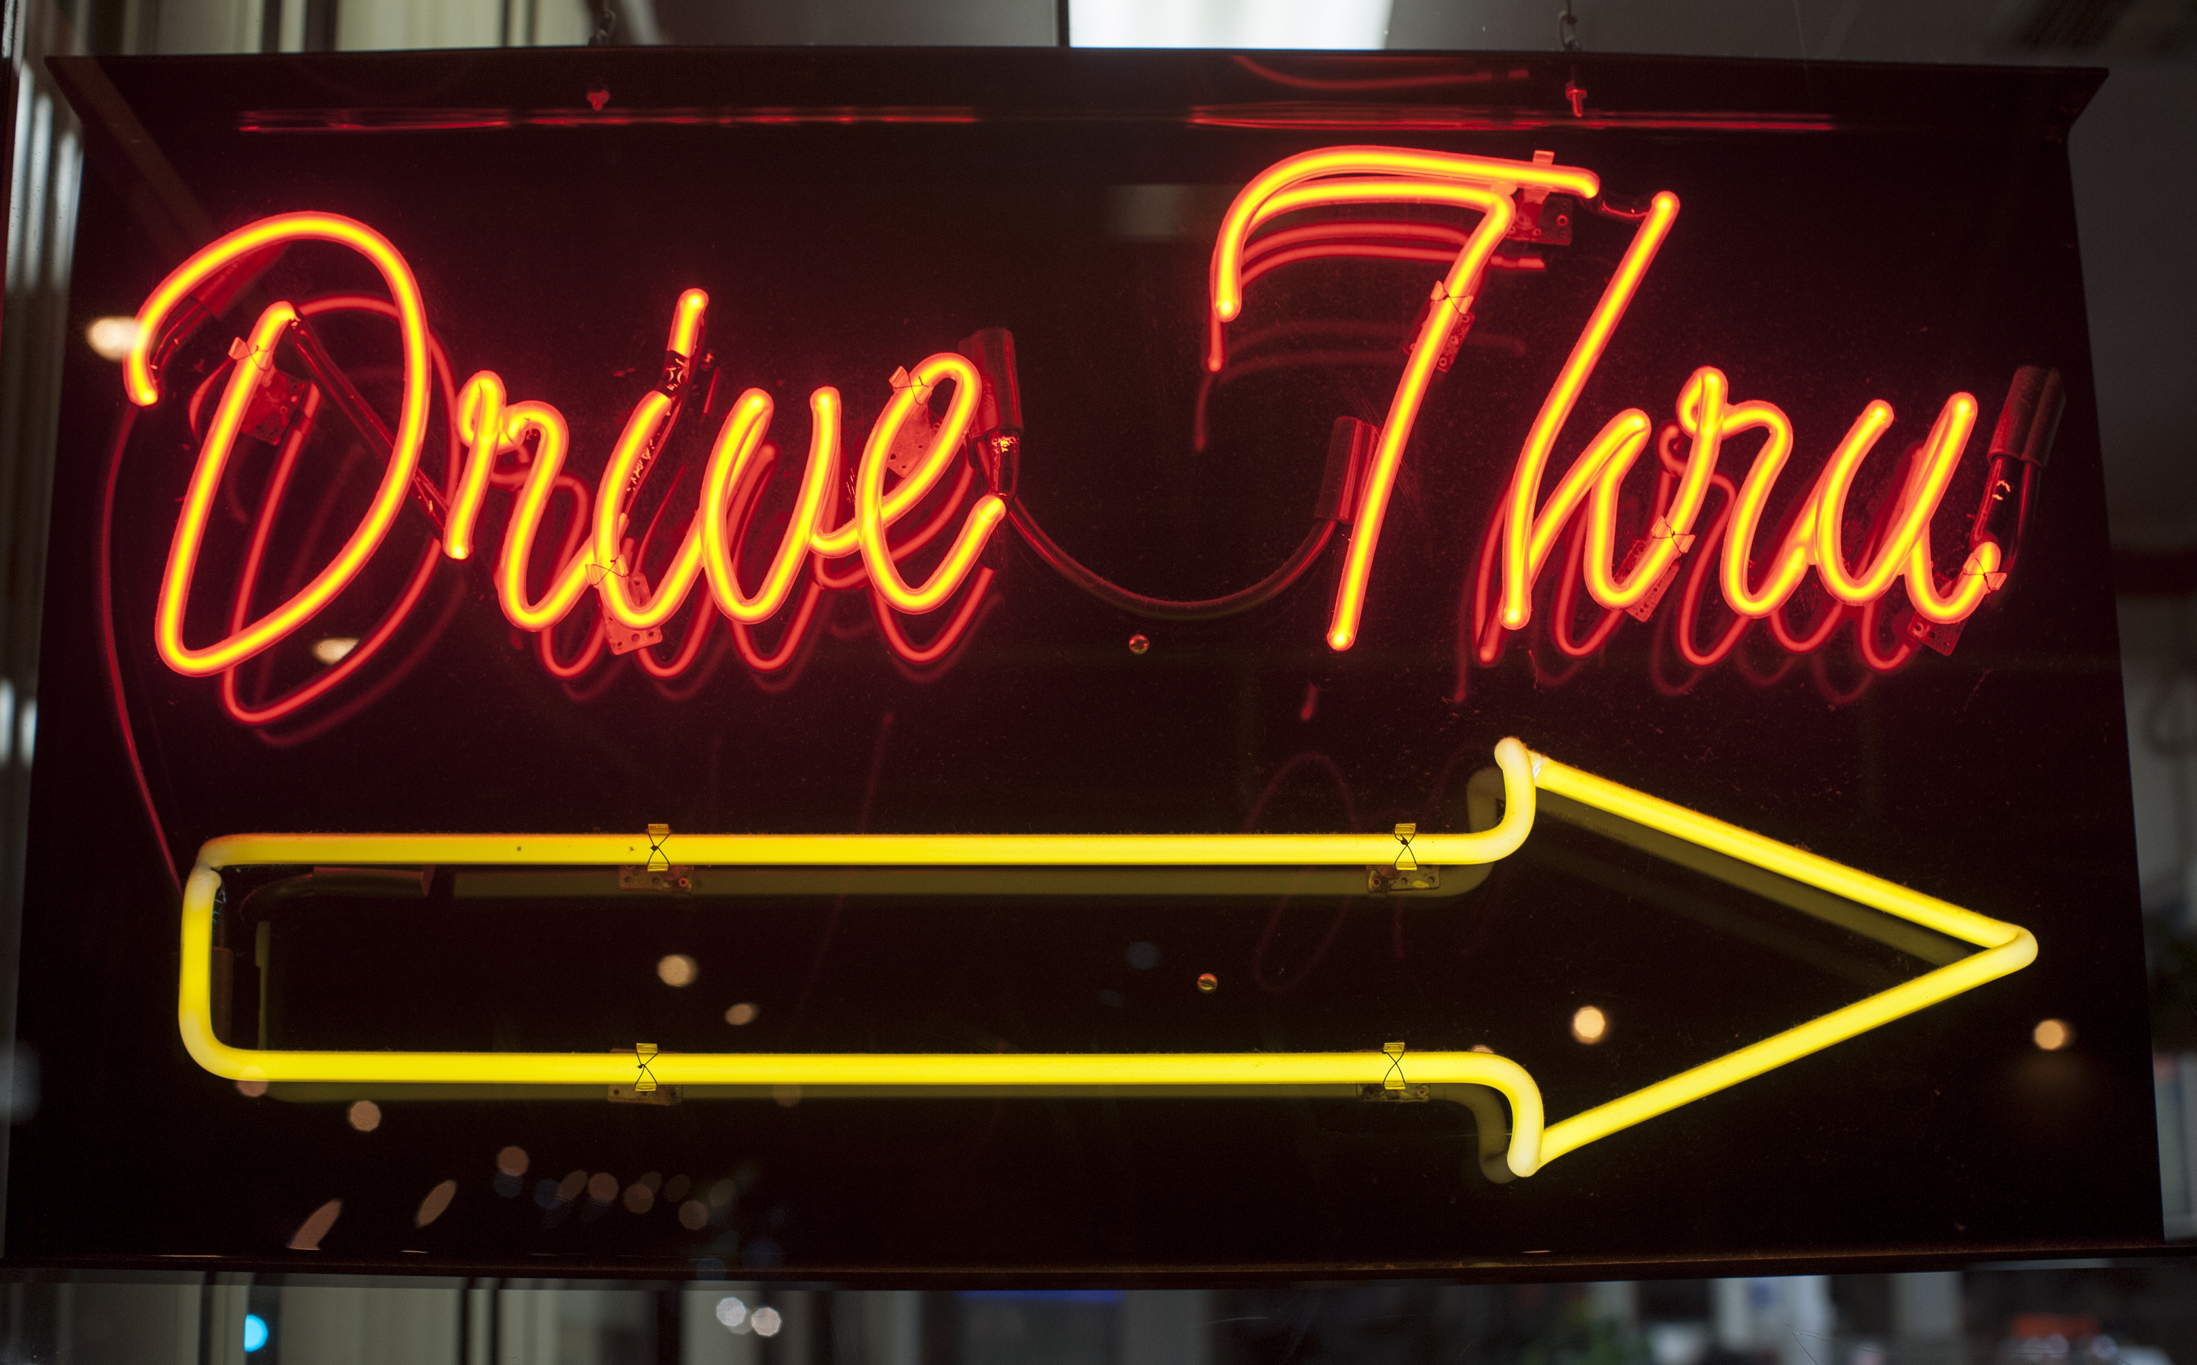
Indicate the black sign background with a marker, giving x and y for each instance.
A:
(1848, 233)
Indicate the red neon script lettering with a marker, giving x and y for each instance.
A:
(523, 447)
(1592, 486)
(254, 361)
(536, 435)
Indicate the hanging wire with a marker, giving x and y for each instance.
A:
(1567, 29)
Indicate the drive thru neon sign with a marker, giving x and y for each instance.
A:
(904, 458)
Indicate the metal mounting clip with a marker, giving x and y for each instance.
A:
(644, 1089)
(1406, 874)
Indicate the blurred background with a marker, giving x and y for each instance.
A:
(2134, 155)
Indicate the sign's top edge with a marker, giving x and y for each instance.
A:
(448, 90)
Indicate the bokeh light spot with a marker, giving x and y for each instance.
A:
(255, 1326)
(1589, 1024)
(512, 1161)
(436, 1201)
(693, 1214)
(766, 1321)
(112, 339)
(732, 1313)
(365, 1116)
(742, 1013)
(2053, 1034)
(251, 1089)
(677, 969)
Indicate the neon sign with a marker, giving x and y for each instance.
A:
(498, 443)
(1532, 1142)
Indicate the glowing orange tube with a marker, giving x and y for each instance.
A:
(1978, 576)
(253, 363)
(1567, 601)
(208, 261)
(1227, 288)
(327, 679)
(1690, 597)
(1463, 283)
(1451, 300)
(1709, 413)
(1525, 489)
(1672, 532)
(480, 425)
(1919, 496)
(729, 463)
(319, 686)
(1619, 441)
(304, 694)
(897, 503)
(570, 579)
(251, 371)
(869, 501)
(612, 497)
(686, 323)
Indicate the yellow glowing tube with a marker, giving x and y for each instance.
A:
(907, 850)
(2006, 948)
